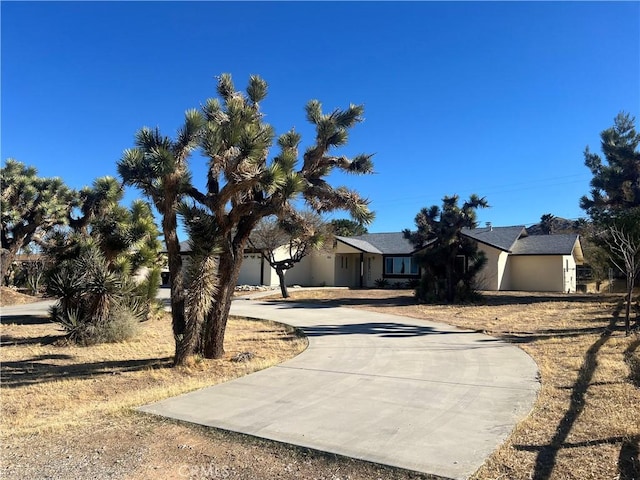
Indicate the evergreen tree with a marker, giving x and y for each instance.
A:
(614, 204)
(449, 260)
(615, 186)
(345, 227)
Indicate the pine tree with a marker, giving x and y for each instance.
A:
(615, 186)
(345, 227)
(614, 204)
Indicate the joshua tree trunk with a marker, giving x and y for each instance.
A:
(212, 344)
(10, 249)
(169, 227)
(7, 258)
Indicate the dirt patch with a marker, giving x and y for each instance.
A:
(10, 296)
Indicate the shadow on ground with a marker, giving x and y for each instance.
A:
(25, 320)
(382, 329)
(546, 458)
(351, 298)
(42, 369)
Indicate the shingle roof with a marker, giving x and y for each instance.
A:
(503, 238)
(561, 244)
(185, 247)
(384, 243)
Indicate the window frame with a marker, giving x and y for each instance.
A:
(413, 263)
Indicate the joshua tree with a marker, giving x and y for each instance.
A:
(31, 206)
(547, 223)
(439, 235)
(243, 186)
(158, 166)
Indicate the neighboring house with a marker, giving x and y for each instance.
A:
(515, 261)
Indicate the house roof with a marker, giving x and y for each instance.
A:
(561, 244)
(382, 243)
(185, 247)
(502, 238)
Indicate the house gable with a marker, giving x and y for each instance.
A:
(502, 238)
(561, 244)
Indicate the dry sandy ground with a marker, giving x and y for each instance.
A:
(67, 412)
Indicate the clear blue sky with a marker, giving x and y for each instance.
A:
(494, 98)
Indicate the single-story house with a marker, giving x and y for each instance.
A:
(519, 261)
(515, 261)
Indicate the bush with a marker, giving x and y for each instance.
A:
(95, 304)
(381, 283)
(122, 325)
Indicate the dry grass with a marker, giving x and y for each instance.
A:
(586, 421)
(43, 376)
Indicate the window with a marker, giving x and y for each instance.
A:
(400, 266)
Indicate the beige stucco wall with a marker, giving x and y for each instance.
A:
(322, 271)
(300, 274)
(495, 273)
(372, 269)
(537, 273)
(250, 269)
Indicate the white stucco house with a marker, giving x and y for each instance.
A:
(515, 261)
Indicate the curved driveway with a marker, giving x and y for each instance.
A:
(388, 389)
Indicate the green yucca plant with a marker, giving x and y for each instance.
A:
(92, 298)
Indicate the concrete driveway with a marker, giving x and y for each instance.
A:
(393, 390)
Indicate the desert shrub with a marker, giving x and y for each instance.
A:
(123, 324)
(413, 283)
(95, 304)
(381, 283)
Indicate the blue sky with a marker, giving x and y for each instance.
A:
(494, 98)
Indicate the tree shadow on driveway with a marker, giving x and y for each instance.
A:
(382, 329)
